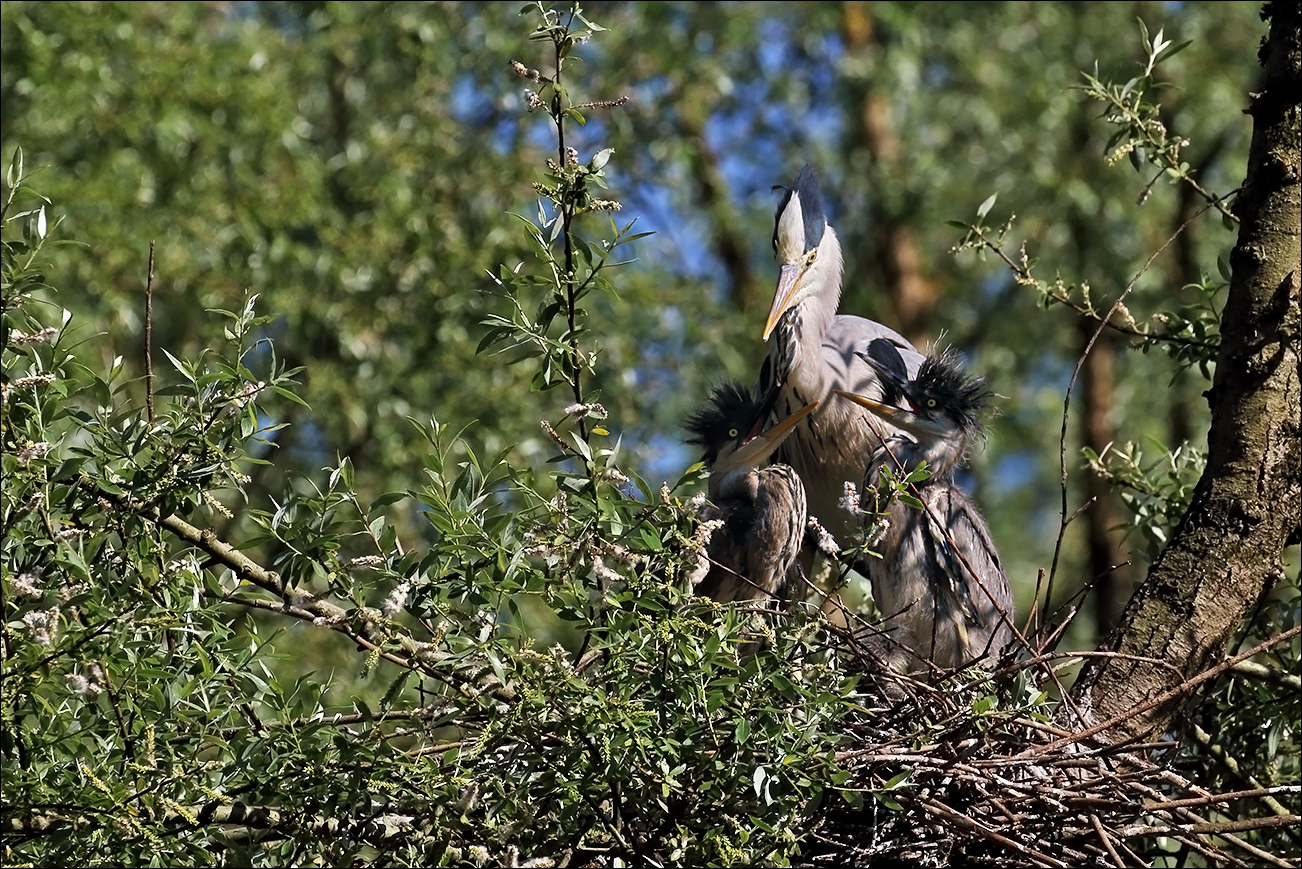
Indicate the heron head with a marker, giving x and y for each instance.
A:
(944, 391)
(731, 428)
(805, 247)
(943, 403)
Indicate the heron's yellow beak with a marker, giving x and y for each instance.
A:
(788, 279)
(898, 416)
(758, 449)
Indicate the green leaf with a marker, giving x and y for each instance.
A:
(889, 802)
(1223, 268)
(1171, 51)
(582, 446)
(388, 498)
(897, 780)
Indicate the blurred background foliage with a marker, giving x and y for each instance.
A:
(353, 163)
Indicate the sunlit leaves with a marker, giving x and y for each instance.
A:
(1157, 491)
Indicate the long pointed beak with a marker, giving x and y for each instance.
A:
(898, 416)
(757, 450)
(788, 277)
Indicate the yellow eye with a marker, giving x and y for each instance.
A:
(732, 432)
(931, 402)
(810, 257)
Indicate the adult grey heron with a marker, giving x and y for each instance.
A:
(813, 353)
(939, 584)
(761, 510)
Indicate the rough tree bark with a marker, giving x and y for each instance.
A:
(1227, 549)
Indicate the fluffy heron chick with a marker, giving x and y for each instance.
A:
(761, 510)
(939, 584)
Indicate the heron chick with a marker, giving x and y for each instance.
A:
(939, 584)
(753, 554)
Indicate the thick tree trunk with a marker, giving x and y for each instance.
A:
(1227, 549)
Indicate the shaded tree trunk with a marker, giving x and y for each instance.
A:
(1107, 563)
(728, 243)
(891, 245)
(1185, 269)
(1228, 547)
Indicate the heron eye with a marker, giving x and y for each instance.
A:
(931, 402)
(809, 259)
(732, 432)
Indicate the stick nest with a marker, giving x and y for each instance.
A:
(957, 775)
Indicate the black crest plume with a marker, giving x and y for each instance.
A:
(963, 396)
(811, 208)
(885, 357)
(732, 410)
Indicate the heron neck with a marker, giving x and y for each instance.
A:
(820, 308)
(800, 333)
(737, 483)
(941, 456)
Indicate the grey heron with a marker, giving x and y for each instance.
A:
(813, 353)
(938, 584)
(760, 510)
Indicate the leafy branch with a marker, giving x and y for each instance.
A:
(1156, 492)
(569, 188)
(1190, 335)
(1141, 135)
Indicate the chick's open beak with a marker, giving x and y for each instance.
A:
(897, 416)
(757, 450)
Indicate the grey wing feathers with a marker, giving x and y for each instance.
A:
(846, 342)
(977, 583)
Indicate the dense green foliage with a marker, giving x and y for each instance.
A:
(459, 630)
(351, 164)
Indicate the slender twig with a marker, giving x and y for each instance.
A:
(1224, 798)
(424, 713)
(1228, 761)
(301, 604)
(1253, 670)
(1261, 855)
(567, 218)
(1107, 841)
(1216, 828)
(1071, 385)
(964, 821)
(149, 337)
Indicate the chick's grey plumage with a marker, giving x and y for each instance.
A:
(813, 353)
(939, 584)
(753, 554)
